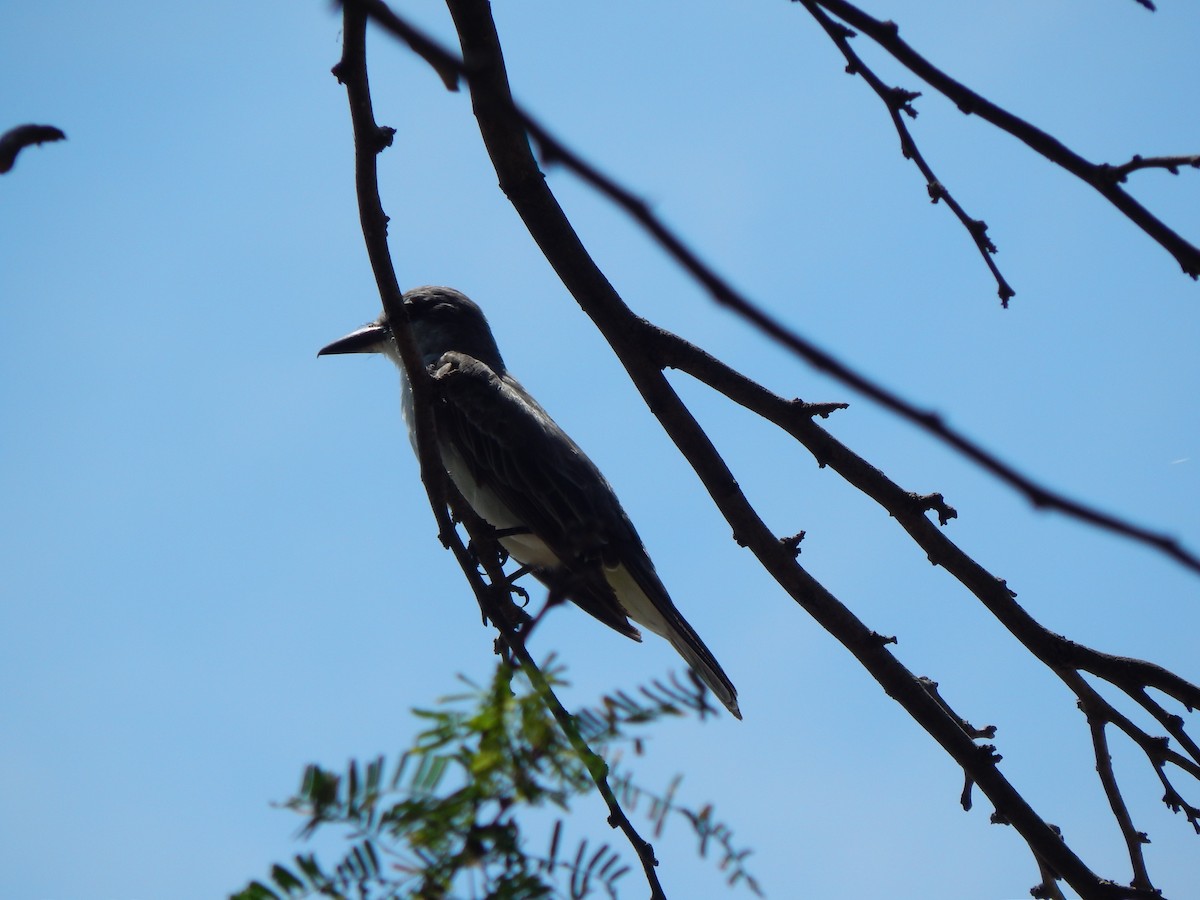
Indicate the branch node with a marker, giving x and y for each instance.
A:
(979, 229)
(900, 99)
(384, 135)
(792, 543)
(936, 503)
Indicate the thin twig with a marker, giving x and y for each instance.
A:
(887, 36)
(1171, 163)
(899, 101)
(1097, 710)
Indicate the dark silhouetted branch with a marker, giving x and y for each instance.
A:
(1171, 163)
(17, 139)
(899, 101)
(887, 36)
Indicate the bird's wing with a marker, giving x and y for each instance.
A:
(664, 619)
(513, 448)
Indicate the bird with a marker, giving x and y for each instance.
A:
(550, 506)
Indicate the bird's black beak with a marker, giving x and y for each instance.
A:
(368, 339)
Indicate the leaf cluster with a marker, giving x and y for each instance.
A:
(444, 820)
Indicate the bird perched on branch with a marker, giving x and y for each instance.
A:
(551, 508)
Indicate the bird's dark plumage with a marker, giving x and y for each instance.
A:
(523, 474)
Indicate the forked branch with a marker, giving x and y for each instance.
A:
(1098, 175)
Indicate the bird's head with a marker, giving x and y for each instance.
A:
(442, 319)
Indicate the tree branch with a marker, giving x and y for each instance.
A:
(494, 595)
(1171, 163)
(887, 36)
(17, 139)
(897, 101)
(1062, 656)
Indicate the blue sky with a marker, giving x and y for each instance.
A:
(218, 564)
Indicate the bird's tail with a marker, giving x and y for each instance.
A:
(646, 601)
(688, 645)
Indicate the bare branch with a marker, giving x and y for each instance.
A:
(17, 139)
(1171, 163)
(1097, 711)
(1063, 657)
(1038, 495)
(898, 101)
(887, 36)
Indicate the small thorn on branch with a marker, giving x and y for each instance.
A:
(384, 135)
(792, 543)
(817, 409)
(900, 99)
(979, 231)
(936, 503)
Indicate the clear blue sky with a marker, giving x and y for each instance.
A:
(217, 561)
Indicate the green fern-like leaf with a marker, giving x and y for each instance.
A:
(448, 815)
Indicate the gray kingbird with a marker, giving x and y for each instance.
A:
(552, 509)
